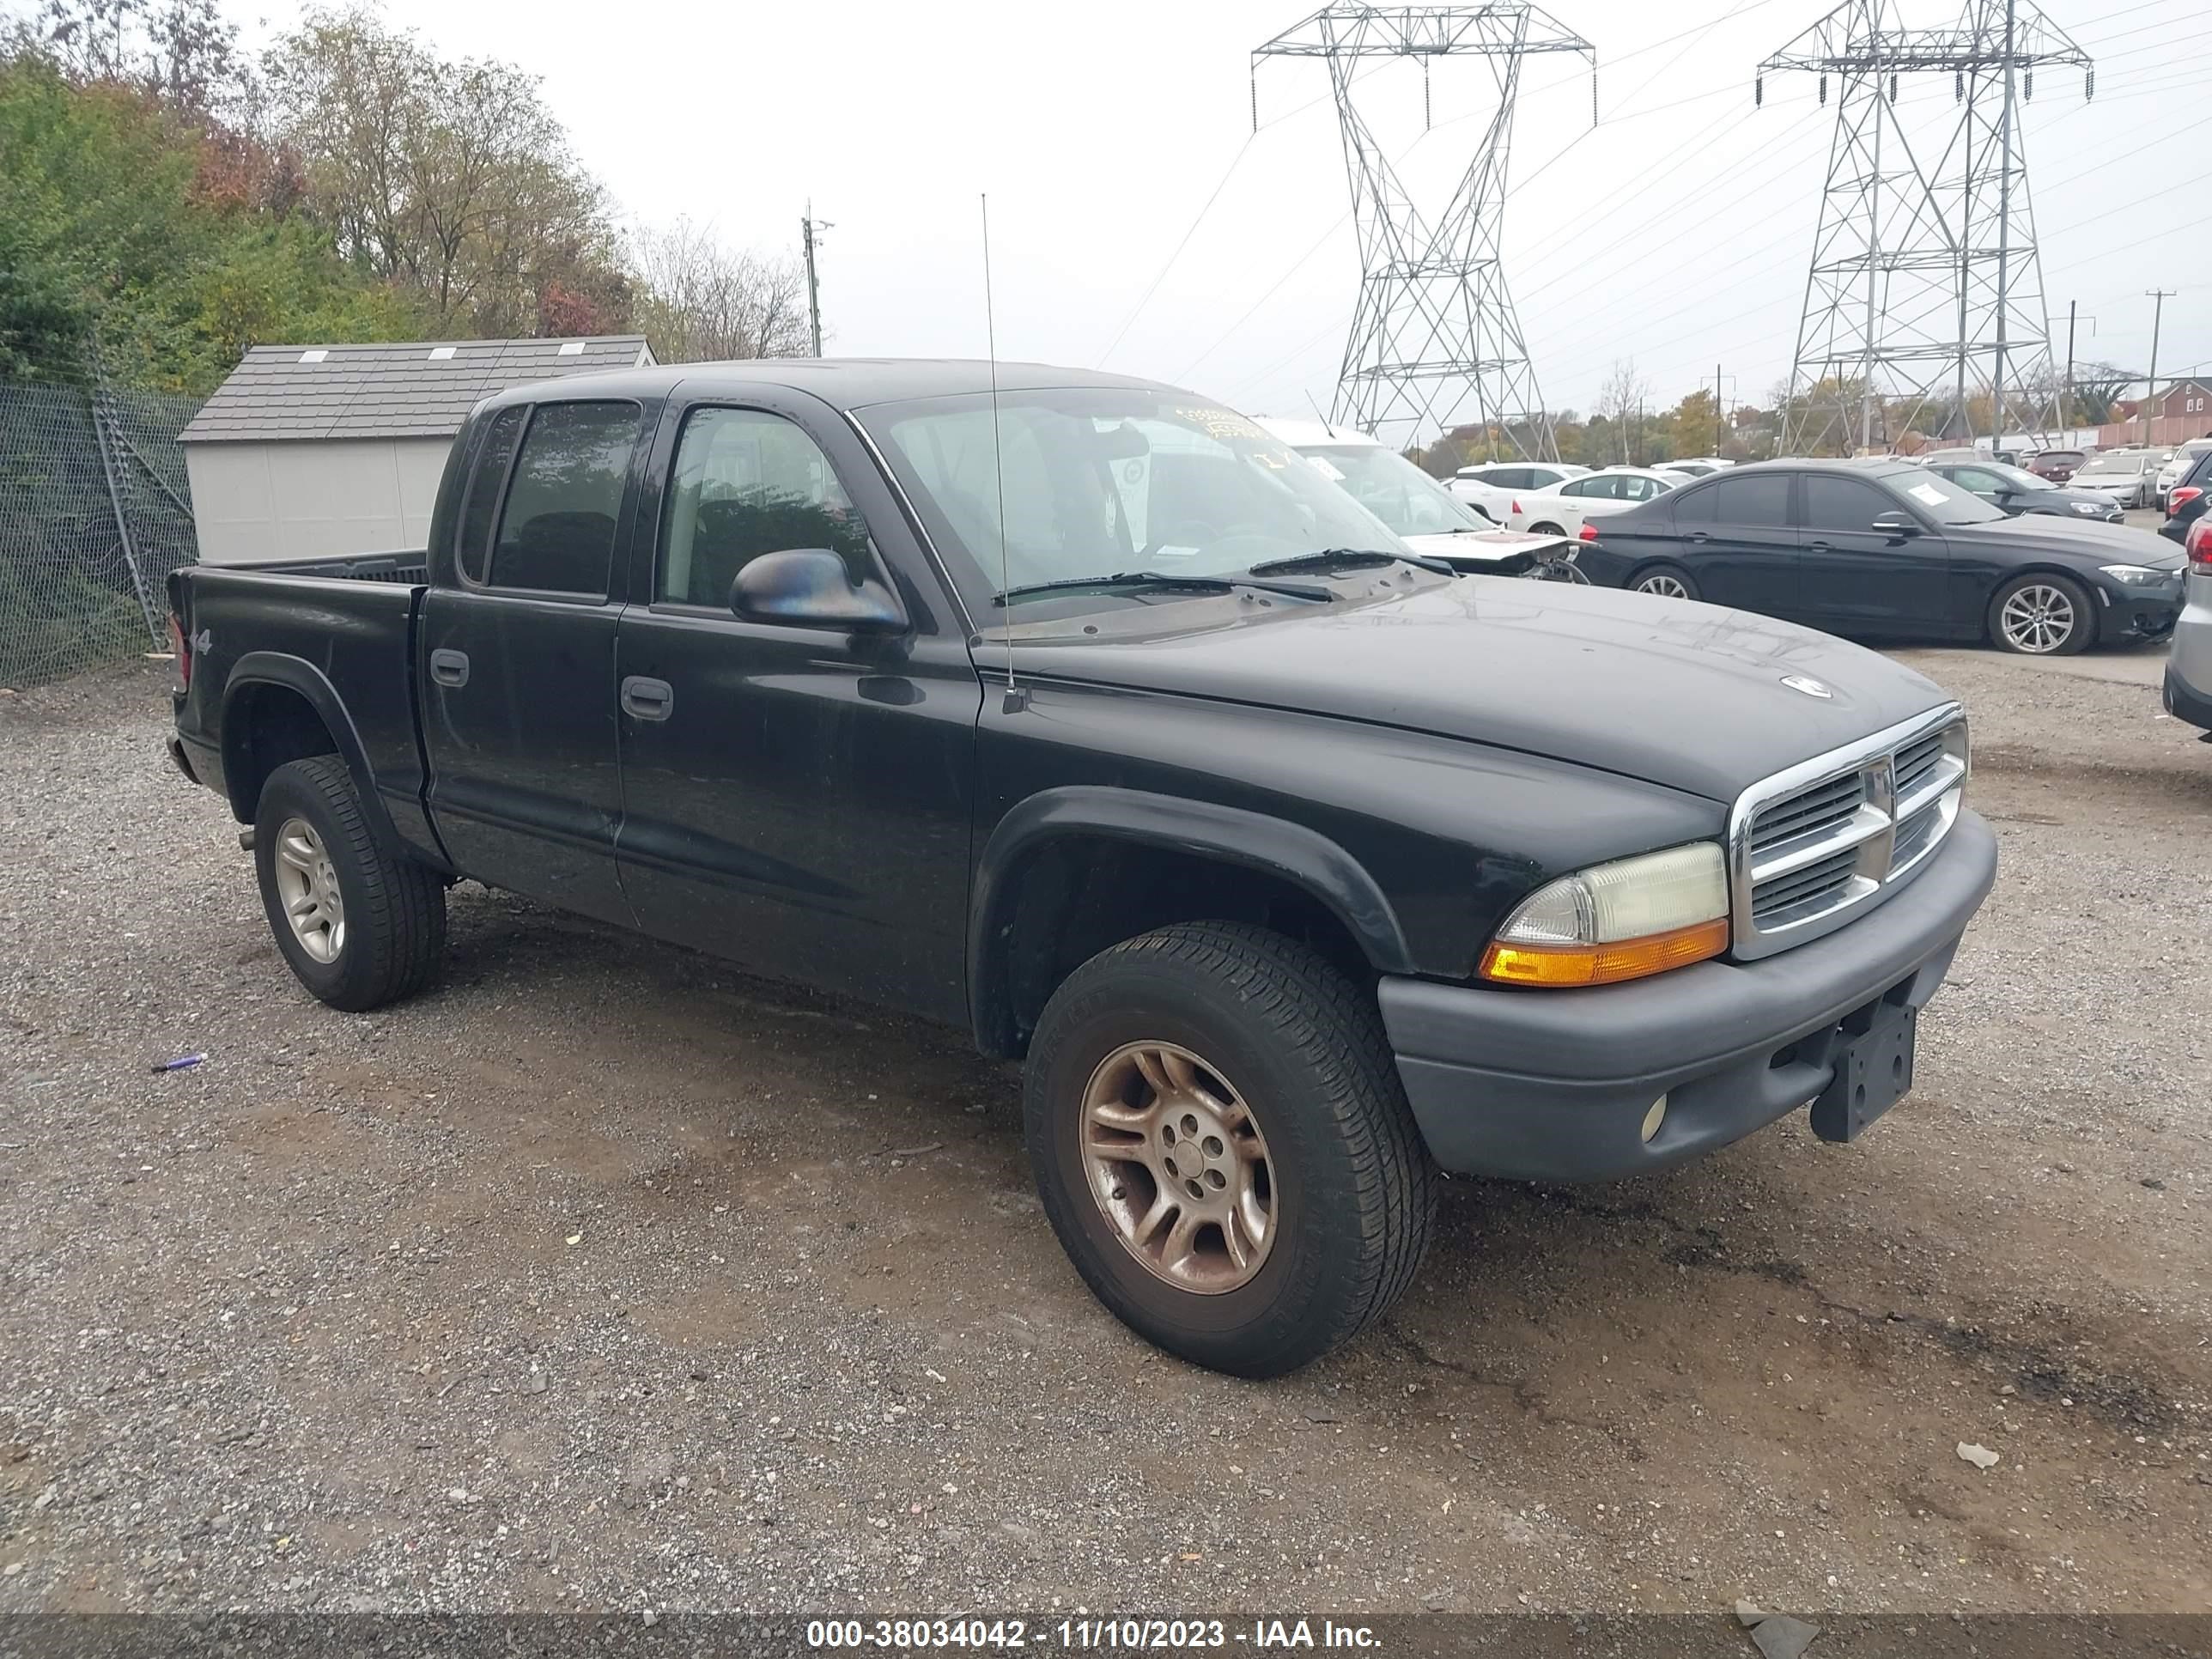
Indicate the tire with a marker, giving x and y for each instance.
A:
(385, 937)
(2042, 614)
(1655, 578)
(1547, 528)
(1263, 1023)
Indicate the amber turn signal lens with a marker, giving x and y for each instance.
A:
(1604, 964)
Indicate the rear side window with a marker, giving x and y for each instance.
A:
(481, 505)
(1761, 499)
(558, 533)
(1506, 478)
(1696, 506)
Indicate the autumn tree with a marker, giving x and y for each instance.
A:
(699, 300)
(1619, 401)
(452, 181)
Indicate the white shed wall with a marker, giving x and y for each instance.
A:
(260, 501)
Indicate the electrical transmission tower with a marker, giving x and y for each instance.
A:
(1434, 340)
(1925, 293)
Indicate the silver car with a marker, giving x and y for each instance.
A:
(2189, 665)
(2129, 477)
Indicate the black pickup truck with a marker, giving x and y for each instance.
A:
(1082, 714)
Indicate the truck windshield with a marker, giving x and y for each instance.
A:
(1095, 481)
(1393, 489)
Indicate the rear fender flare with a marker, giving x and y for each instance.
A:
(297, 674)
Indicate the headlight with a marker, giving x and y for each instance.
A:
(1615, 922)
(2090, 506)
(2135, 575)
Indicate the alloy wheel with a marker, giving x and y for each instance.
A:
(1666, 586)
(2038, 619)
(309, 888)
(1179, 1169)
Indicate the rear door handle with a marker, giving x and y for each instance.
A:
(1818, 547)
(1697, 535)
(647, 700)
(450, 667)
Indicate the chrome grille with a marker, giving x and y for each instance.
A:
(1810, 847)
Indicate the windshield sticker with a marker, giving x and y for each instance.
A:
(1222, 423)
(1165, 552)
(1927, 495)
(1327, 468)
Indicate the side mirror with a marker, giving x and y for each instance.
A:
(1898, 526)
(810, 587)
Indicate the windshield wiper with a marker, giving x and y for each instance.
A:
(1162, 581)
(1352, 558)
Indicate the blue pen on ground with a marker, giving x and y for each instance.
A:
(181, 1063)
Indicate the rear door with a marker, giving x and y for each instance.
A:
(1858, 580)
(795, 798)
(1746, 554)
(515, 657)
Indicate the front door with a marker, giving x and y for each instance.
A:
(1860, 580)
(795, 798)
(516, 658)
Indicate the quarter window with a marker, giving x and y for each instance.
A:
(557, 533)
(481, 506)
(749, 483)
(1696, 506)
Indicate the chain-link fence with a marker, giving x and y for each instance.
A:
(95, 514)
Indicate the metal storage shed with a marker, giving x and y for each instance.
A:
(310, 450)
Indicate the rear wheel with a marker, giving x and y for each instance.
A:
(1669, 582)
(1223, 1146)
(2042, 614)
(360, 925)
(1545, 529)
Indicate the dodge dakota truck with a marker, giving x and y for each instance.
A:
(1076, 711)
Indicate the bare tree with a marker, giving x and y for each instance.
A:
(452, 179)
(1624, 394)
(700, 301)
(183, 52)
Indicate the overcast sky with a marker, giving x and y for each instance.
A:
(1676, 232)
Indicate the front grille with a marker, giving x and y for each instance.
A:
(1810, 847)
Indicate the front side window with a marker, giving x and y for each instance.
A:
(1081, 482)
(1760, 499)
(557, 533)
(1842, 504)
(1936, 497)
(749, 483)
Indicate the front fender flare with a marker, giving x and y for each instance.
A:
(1303, 856)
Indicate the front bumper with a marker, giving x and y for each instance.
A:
(1553, 1085)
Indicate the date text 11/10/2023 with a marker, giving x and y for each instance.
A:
(1088, 1634)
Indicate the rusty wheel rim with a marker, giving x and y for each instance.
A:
(1178, 1167)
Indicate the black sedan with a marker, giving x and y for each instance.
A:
(2186, 502)
(2017, 491)
(1891, 550)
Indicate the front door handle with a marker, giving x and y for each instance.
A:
(450, 667)
(1697, 538)
(647, 700)
(1817, 546)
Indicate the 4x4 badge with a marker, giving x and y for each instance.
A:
(1807, 684)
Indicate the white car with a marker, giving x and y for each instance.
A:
(1422, 513)
(1563, 510)
(2185, 457)
(1491, 485)
(2129, 477)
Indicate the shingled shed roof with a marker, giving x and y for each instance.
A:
(419, 389)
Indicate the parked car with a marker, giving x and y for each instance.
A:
(1684, 470)
(1564, 508)
(1426, 516)
(1888, 549)
(1491, 485)
(2016, 490)
(1085, 717)
(2059, 465)
(1966, 457)
(2178, 466)
(2185, 503)
(2188, 686)
(2129, 477)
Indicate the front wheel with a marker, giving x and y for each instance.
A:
(2042, 614)
(360, 925)
(1223, 1146)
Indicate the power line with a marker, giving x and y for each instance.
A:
(1161, 276)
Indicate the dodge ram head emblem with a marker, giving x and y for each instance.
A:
(1807, 684)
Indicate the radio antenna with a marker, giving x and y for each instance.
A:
(1016, 700)
(1318, 416)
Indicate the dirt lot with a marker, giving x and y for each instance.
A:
(600, 1277)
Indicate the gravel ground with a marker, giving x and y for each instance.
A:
(601, 1277)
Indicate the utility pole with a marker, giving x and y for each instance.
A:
(810, 229)
(1720, 424)
(2066, 397)
(2150, 392)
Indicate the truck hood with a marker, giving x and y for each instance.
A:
(1673, 692)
